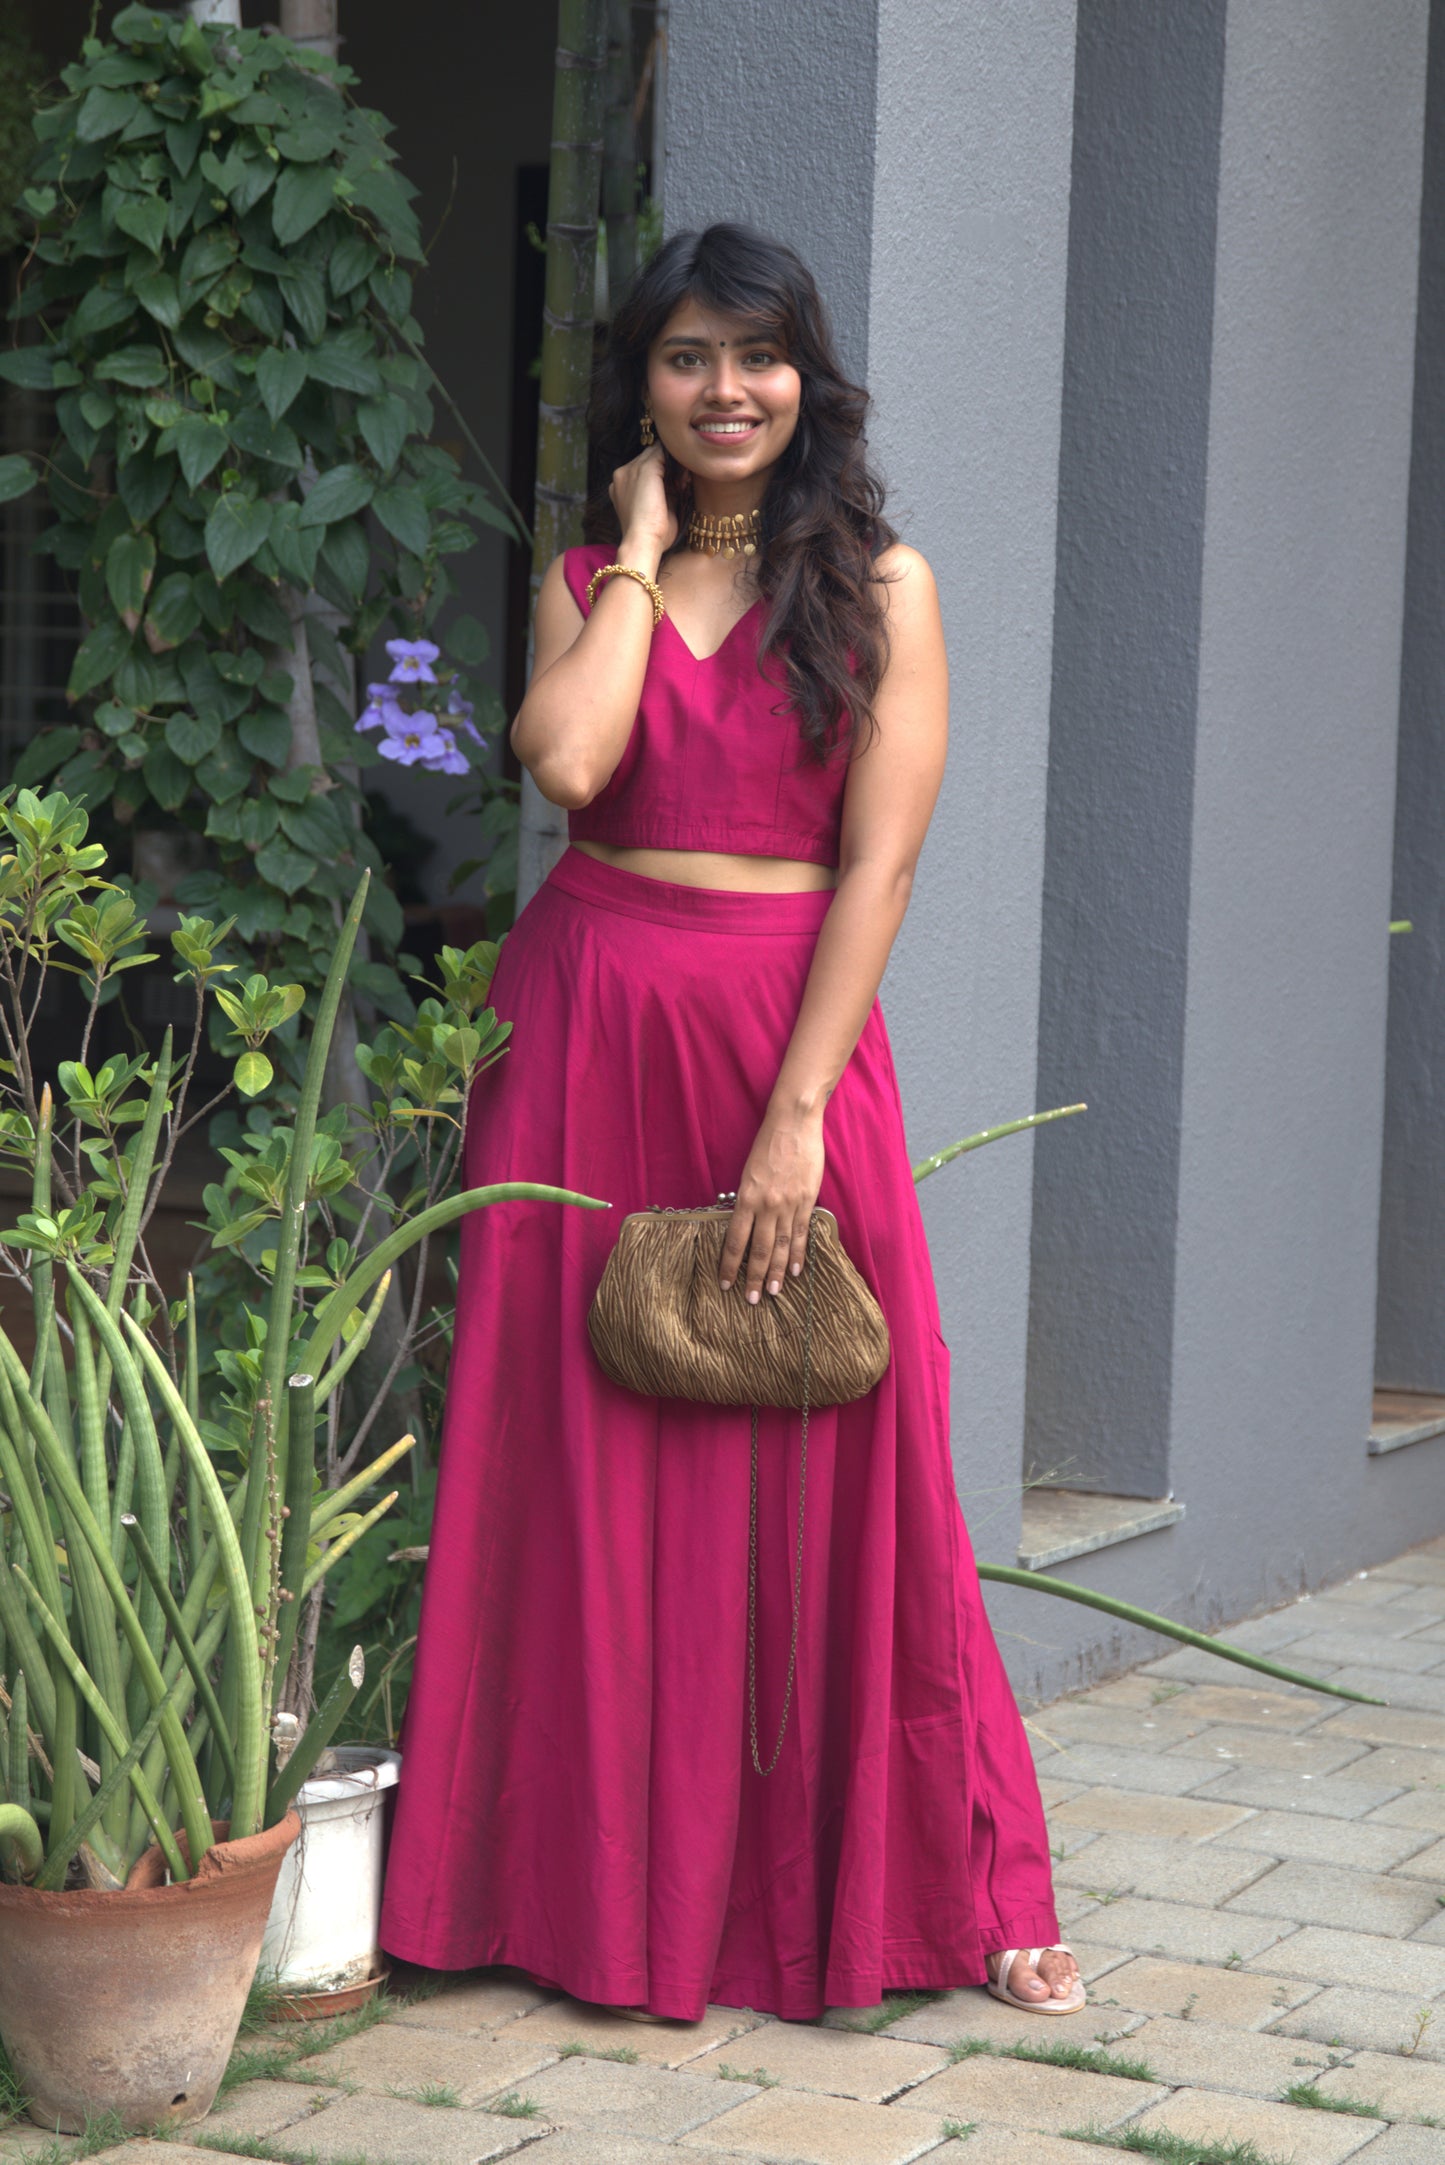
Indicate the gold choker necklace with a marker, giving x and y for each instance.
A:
(738, 534)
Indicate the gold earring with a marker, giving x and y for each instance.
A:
(647, 429)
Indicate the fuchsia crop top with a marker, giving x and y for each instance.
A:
(707, 765)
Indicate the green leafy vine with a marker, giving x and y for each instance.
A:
(243, 482)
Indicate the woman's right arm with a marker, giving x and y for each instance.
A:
(572, 728)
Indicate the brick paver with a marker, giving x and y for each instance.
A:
(1284, 2132)
(1024, 2094)
(1254, 1877)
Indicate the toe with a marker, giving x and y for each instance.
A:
(1061, 1974)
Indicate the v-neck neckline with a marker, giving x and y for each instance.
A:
(702, 659)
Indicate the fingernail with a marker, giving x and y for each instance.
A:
(775, 1285)
(754, 1295)
(796, 1269)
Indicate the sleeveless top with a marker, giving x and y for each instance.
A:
(708, 765)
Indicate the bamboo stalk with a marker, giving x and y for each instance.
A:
(619, 154)
(573, 195)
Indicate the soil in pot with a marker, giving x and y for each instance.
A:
(130, 2003)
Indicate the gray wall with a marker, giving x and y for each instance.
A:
(1410, 1344)
(1148, 99)
(1289, 857)
(1221, 455)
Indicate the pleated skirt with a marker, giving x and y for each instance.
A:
(578, 1796)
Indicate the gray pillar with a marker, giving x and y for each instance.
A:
(918, 157)
(1410, 1342)
(770, 122)
(1284, 1029)
(1147, 104)
(968, 267)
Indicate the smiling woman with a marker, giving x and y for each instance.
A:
(740, 695)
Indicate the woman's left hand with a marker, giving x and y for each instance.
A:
(776, 1192)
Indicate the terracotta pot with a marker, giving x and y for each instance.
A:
(129, 2003)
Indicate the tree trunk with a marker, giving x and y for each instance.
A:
(578, 105)
(216, 11)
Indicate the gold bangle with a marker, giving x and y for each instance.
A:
(630, 571)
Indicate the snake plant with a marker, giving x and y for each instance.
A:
(149, 1607)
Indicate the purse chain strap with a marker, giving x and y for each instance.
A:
(798, 1559)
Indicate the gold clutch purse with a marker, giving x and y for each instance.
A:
(660, 1324)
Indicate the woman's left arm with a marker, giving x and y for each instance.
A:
(891, 791)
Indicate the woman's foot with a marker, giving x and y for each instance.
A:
(1054, 1977)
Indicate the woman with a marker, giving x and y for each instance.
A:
(740, 695)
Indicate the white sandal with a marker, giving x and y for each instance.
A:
(998, 1986)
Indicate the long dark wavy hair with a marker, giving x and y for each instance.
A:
(822, 516)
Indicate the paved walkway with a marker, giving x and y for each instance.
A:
(1253, 1879)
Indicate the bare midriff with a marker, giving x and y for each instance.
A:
(715, 868)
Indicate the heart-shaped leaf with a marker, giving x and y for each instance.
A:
(190, 738)
(130, 564)
(404, 515)
(16, 476)
(280, 373)
(235, 530)
(284, 867)
(337, 495)
(303, 196)
(174, 612)
(143, 217)
(201, 446)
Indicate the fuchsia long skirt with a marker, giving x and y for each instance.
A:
(579, 1797)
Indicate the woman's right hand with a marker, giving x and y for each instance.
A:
(639, 497)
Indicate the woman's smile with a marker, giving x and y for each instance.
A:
(715, 429)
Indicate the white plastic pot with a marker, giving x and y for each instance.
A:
(323, 1931)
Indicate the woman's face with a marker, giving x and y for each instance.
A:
(724, 400)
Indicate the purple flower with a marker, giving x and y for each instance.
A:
(412, 660)
(452, 759)
(413, 738)
(462, 710)
(381, 705)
